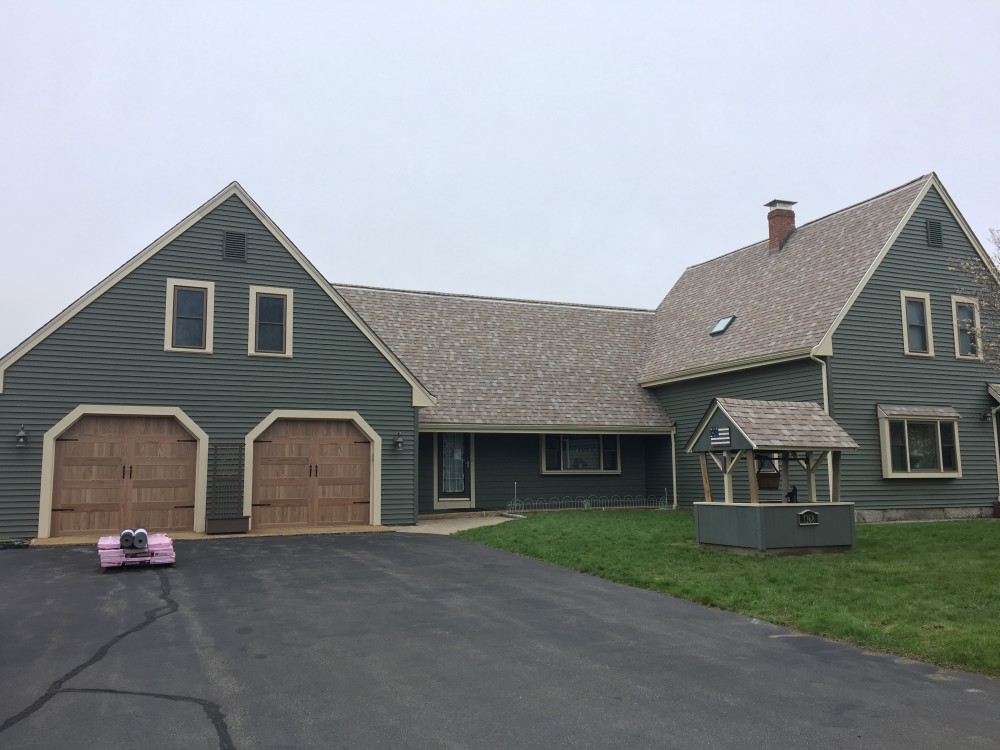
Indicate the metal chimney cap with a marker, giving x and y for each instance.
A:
(778, 203)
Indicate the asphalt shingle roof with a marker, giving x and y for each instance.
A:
(511, 362)
(786, 425)
(784, 300)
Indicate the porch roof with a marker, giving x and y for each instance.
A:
(498, 364)
(779, 425)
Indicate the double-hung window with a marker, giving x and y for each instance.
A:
(188, 322)
(919, 442)
(918, 335)
(270, 332)
(965, 315)
(581, 454)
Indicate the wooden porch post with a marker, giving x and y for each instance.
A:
(812, 477)
(752, 476)
(706, 483)
(785, 481)
(835, 492)
(727, 479)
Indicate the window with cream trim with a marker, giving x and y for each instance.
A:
(189, 316)
(270, 331)
(918, 335)
(919, 443)
(965, 319)
(581, 454)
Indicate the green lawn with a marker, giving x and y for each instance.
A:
(929, 591)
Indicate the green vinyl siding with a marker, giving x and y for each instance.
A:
(425, 473)
(501, 459)
(687, 401)
(111, 352)
(659, 474)
(869, 368)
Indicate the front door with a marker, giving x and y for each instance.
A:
(454, 471)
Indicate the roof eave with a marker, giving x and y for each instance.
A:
(732, 366)
(536, 428)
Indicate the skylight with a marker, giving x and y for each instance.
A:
(722, 325)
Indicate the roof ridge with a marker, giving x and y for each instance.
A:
(883, 194)
(506, 300)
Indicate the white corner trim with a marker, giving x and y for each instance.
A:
(375, 508)
(49, 455)
(168, 316)
(421, 396)
(289, 295)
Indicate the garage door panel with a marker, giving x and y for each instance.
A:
(281, 513)
(106, 519)
(121, 464)
(323, 463)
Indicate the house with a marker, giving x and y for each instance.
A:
(867, 312)
(216, 380)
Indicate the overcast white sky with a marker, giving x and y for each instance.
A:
(574, 151)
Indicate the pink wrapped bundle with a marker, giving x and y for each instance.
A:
(160, 551)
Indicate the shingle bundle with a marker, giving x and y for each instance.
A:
(152, 549)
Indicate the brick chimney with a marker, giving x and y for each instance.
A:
(780, 222)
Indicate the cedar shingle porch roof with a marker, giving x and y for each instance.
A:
(502, 362)
(782, 425)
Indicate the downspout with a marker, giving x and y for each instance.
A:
(826, 408)
(673, 463)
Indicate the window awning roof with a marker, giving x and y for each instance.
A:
(931, 412)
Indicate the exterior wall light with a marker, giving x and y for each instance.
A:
(987, 415)
(21, 437)
(398, 441)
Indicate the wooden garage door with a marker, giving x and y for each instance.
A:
(311, 473)
(113, 473)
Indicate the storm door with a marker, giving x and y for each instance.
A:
(454, 470)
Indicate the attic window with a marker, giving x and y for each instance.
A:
(934, 238)
(722, 325)
(234, 247)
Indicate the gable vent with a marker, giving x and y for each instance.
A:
(234, 247)
(934, 238)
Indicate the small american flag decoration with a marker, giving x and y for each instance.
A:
(719, 436)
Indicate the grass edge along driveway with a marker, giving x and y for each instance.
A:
(927, 591)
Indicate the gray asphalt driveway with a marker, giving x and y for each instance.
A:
(408, 641)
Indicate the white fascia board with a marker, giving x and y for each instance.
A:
(743, 364)
(591, 429)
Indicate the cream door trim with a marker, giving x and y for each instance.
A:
(456, 502)
(84, 410)
(375, 509)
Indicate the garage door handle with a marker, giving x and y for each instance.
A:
(123, 471)
(310, 469)
(129, 472)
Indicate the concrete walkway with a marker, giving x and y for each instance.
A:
(447, 526)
